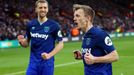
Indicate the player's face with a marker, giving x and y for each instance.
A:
(80, 18)
(42, 9)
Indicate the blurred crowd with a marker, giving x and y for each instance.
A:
(111, 16)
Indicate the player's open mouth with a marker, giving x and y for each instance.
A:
(75, 22)
(76, 25)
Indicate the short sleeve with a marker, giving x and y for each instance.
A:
(57, 33)
(28, 31)
(106, 43)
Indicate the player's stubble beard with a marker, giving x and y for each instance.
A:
(42, 16)
(83, 24)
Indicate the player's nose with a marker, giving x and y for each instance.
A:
(42, 9)
(74, 19)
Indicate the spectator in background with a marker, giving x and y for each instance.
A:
(109, 14)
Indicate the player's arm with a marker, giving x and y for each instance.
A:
(111, 57)
(106, 44)
(23, 41)
(56, 34)
(57, 48)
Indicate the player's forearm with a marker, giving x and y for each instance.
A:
(24, 43)
(58, 48)
(113, 56)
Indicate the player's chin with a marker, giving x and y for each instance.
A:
(78, 26)
(43, 14)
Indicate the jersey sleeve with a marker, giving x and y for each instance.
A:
(106, 43)
(28, 31)
(57, 33)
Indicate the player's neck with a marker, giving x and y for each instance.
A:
(42, 20)
(89, 26)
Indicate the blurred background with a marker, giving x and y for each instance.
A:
(111, 15)
(114, 16)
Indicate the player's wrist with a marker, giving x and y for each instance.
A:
(50, 55)
(95, 59)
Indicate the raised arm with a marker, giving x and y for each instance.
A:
(23, 41)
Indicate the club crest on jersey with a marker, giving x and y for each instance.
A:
(33, 28)
(88, 41)
(46, 29)
(108, 41)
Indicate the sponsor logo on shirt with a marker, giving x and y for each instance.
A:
(33, 28)
(37, 35)
(86, 50)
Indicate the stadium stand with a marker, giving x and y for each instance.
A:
(111, 15)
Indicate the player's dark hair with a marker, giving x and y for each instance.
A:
(40, 1)
(88, 11)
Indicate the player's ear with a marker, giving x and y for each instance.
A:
(35, 9)
(88, 18)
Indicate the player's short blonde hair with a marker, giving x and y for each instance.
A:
(40, 1)
(88, 11)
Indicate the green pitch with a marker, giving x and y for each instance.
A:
(14, 61)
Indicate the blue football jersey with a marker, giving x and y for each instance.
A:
(98, 43)
(42, 38)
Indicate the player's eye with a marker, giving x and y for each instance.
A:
(77, 15)
(45, 7)
(40, 7)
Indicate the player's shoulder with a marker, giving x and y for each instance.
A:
(53, 22)
(32, 22)
(98, 32)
